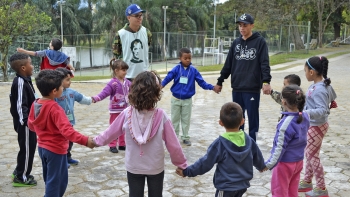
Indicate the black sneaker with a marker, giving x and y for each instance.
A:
(20, 183)
(187, 142)
(121, 147)
(113, 149)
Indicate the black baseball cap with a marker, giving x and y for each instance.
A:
(245, 18)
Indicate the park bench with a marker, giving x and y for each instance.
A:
(335, 43)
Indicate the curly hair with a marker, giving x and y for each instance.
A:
(145, 90)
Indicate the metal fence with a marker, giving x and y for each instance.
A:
(97, 52)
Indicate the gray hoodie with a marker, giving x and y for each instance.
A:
(318, 98)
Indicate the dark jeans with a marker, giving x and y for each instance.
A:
(137, 184)
(237, 193)
(250, 102)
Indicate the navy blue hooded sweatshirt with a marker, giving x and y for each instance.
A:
(248, 64)
(234, 167)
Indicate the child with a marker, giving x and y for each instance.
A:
(66, 101)
(318, 97)
(184, 76)
(287, 153)
(54, 130)
(234, 152)
(118, 90)
(145, 127)
(288, 80)
(21, 98)
(52, 58)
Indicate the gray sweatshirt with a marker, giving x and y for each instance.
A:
(318, 98)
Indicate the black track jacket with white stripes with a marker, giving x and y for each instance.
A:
(21, 98)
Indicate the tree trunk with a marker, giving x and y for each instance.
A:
(320, 8)
(337, 24)
(295, 37)
(4, 67)
(90, 49)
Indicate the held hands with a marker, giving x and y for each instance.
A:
(91, 143)
(266, 88)
(263, 170)
(179, 172)
(217, 89)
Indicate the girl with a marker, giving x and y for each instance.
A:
(145, 127)
(287, 153)
(118, 90)
(319, 96)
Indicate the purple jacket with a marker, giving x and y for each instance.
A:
(290, 139)
(118, 93)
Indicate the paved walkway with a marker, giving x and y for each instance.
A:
(101, 173)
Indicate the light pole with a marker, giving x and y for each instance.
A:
(214, 16)
(61, 2)
(166, 62)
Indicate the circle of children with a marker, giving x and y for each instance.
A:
(137, 122)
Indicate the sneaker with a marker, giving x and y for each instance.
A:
(317, 192)
(113, 149)
(187, 142)
(121, 147)
(73, 162)
(304, 186)
(20, 183)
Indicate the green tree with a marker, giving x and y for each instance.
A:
(18, 20)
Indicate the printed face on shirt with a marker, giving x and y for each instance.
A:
(28, 68)
(186, 59)
(120, 73)
(66, 81)
(246, 30)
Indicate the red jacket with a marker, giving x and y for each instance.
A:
(48, 120)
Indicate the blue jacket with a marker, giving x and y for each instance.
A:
(290, 139)
(185, 91)
(67, 99)
(234, 167)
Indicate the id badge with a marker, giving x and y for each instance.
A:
(69, 115)
(183, 80)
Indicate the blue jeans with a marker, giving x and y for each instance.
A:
(250, 102)
(55, 172)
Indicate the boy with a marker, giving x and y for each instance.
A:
(54, 131)
(291, 79)
(52, 58)
(184, 76)
(66, 101)
(234, 152)
(21, 98)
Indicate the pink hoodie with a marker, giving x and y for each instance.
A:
(145, 132)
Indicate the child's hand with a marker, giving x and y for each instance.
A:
(93, 100)
(263, 170)
(179, 172)
(20, 50)
(91, 144)
(217, 89)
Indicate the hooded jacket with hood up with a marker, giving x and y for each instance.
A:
(52, 127)
(145, 132)
(248, 64)
(234, 167)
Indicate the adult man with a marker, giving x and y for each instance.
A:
(130, 42)
(248, 64)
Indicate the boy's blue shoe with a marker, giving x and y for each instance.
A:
(68, 165)
(73, 162)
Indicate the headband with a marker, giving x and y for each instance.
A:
(307, 61)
